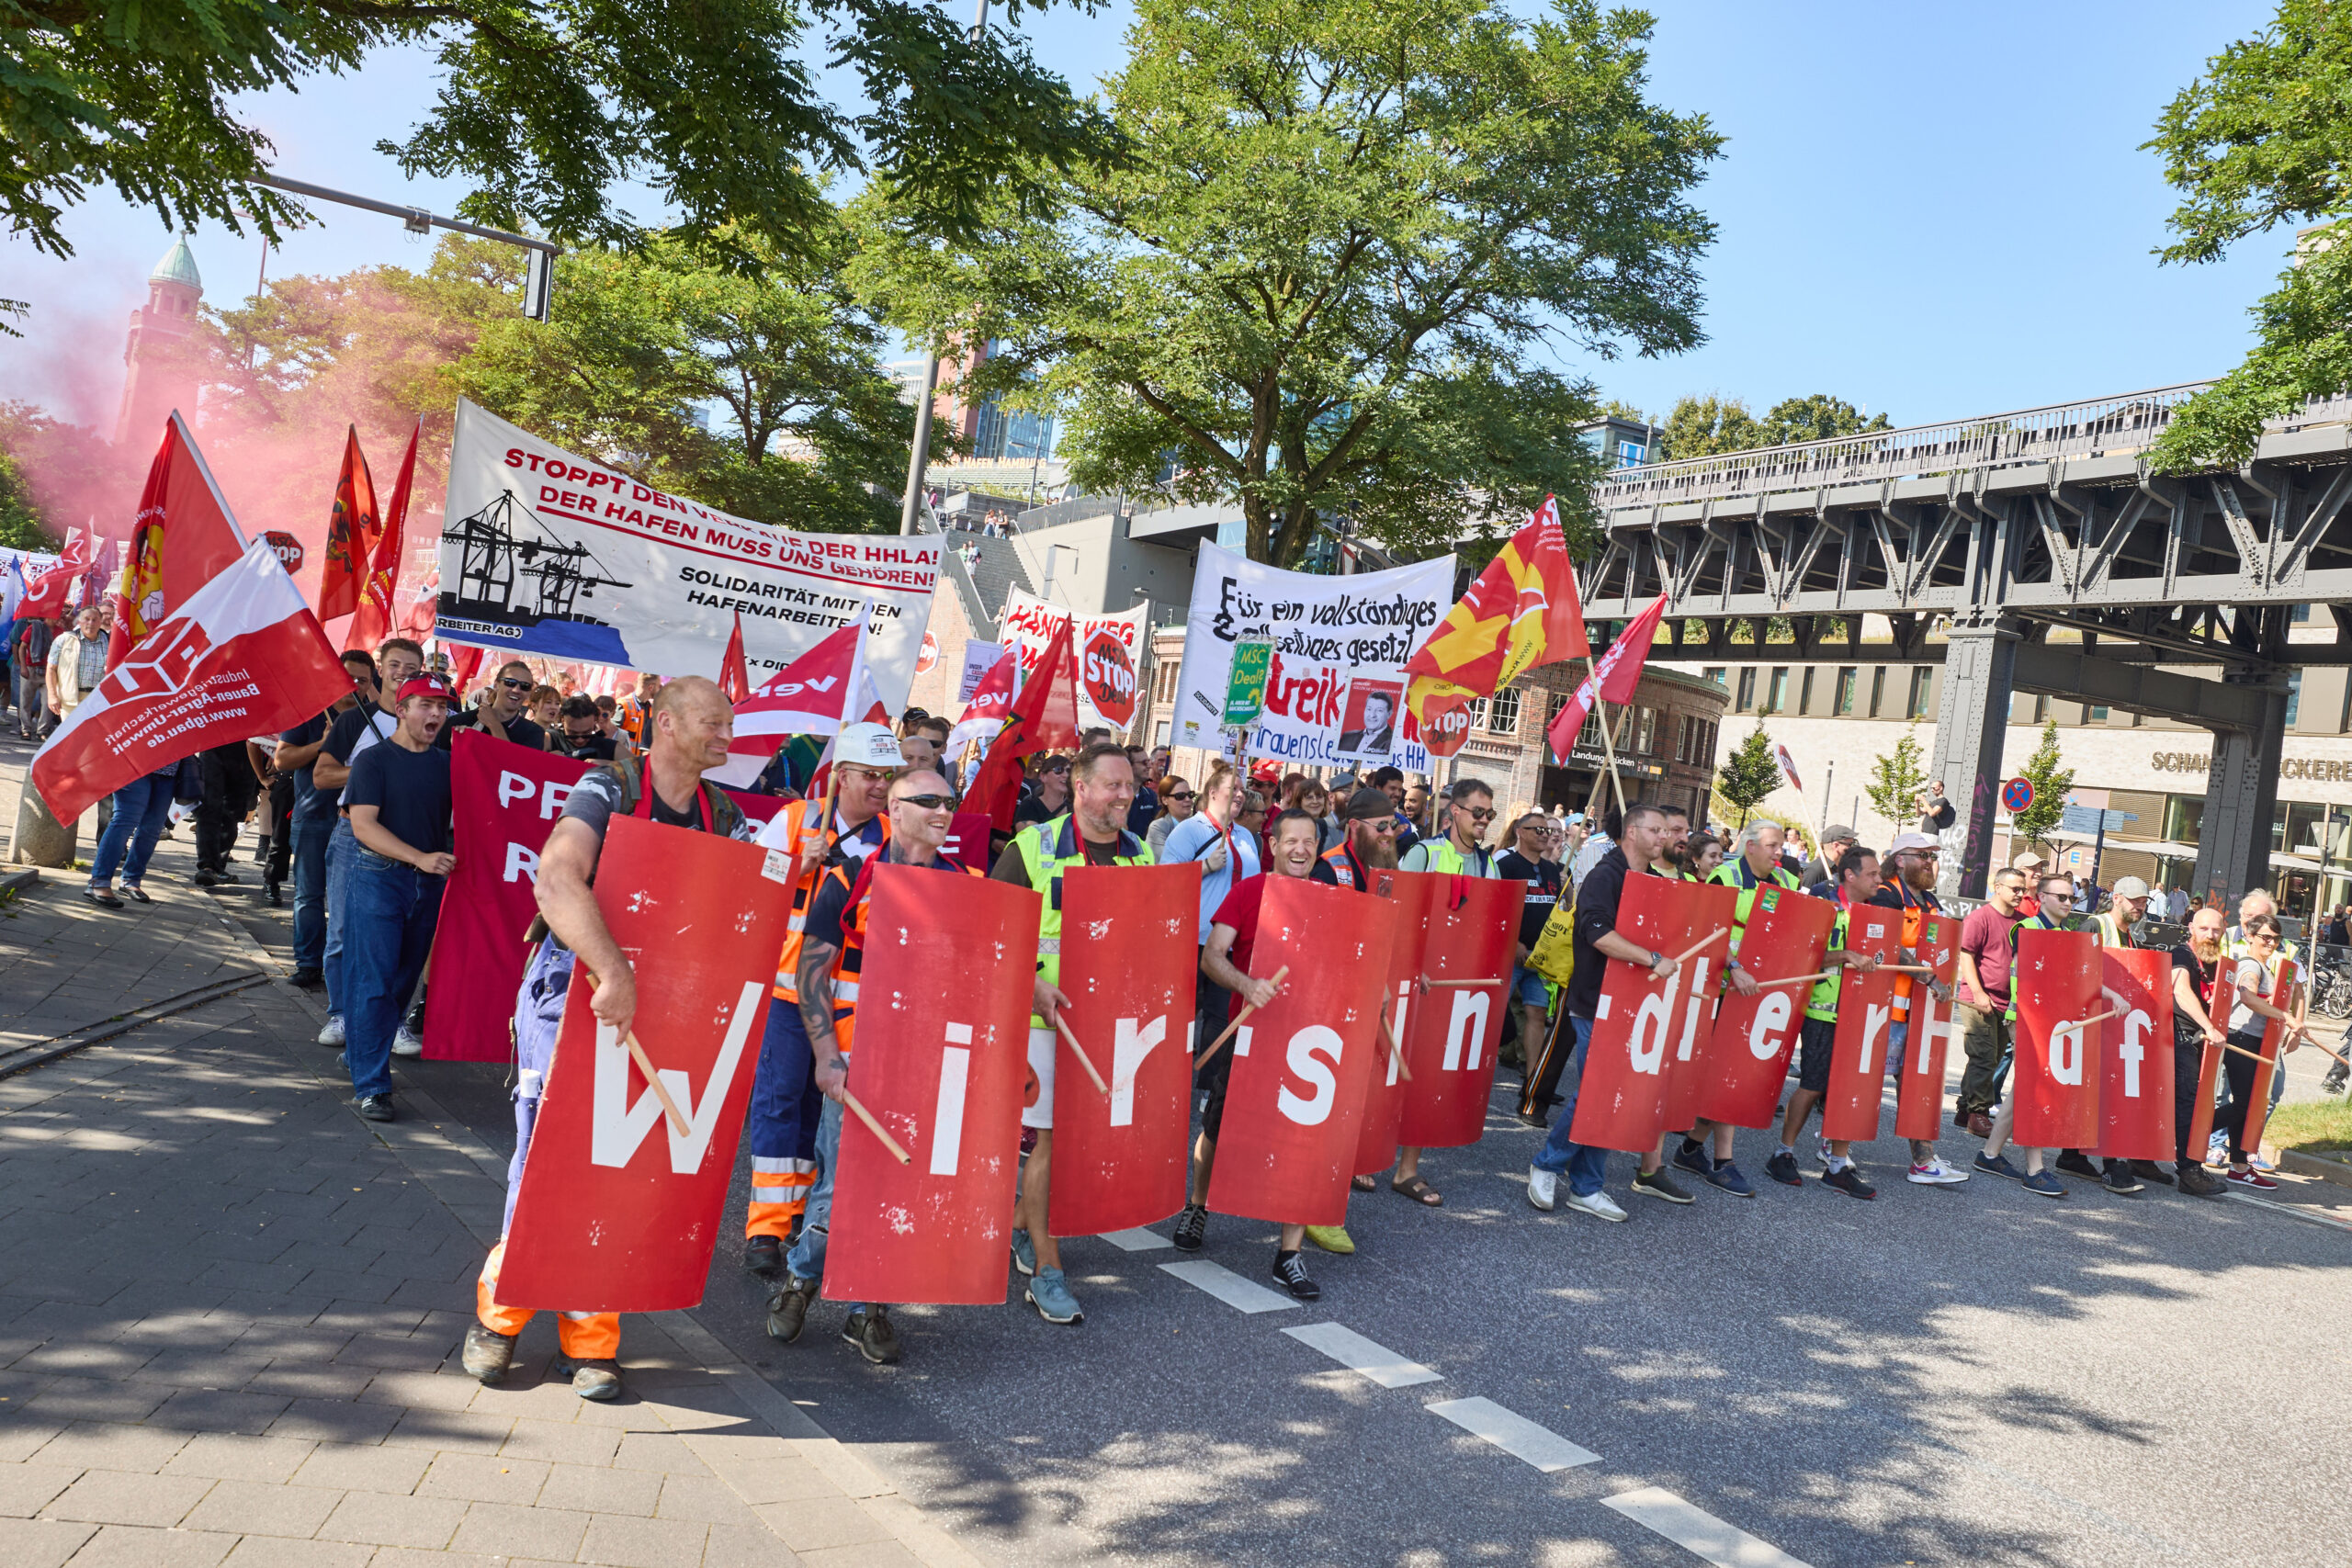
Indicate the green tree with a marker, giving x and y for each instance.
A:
(1896, 778)
(2263, 138)
(1819, 417)
(1316, 286)
(20, 524)
(1701, 427)
(547, 108)
(2051, 780)
(1748, 774)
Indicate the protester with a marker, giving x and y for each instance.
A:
(1225, 962)
(2199, 974)
(506, 712)
(397, 799)
(2035, 866)
(546, 710)
(398, 661)
(1757, 865)
(1597, 940)
(783, 1128)
(1912, 889)
(1047, 795)
(29, 649)
(2112, 928)
(2054, 896)
(77, 662)
(1211, 838)
(1368, 827)
(315, 814)
(230, 789)
(1093, 833)
(276, 853)
(1601, 838)
(2255, 979)
(1982, 1007)
(582, 736)
(1858, 882)
(921, 813)
(1703, 853)
(140, 809)
(1936, 813)
(688, 727)
(1820, 871)
(1146, 811)
(1524, 862)
(1390, 781)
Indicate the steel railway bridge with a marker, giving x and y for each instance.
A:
(2172, 595)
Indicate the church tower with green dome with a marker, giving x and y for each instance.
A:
(157, 375)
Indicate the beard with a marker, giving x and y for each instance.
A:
(1377, 852)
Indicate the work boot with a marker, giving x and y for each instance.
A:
(2196, 1181)
(869, 1329)
(764, 1255)
(599, 1378)
(788, 1308)
(488, 1353)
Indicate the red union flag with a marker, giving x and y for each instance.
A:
(941, 1054)
(243, 657)
(1919, 1097)
(1640, 1024)
(505, 799)
(618, 1210)
(181, 539)
(1850, 1108)
(2056, 983)
(1301, 1065)
(1748, 1053)
(1128, 962)
(1384, 1101)
(372, 621)
(1469, 930)
(2135, 1098)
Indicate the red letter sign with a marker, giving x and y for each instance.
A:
(1642, 1024)
(1469, 932)
(1919, 1097)
(1384, 1101)
(2135, 1098)
(1865, 1027)
(1747, 1056)
(2057, 986)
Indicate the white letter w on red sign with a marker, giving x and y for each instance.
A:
(616, 1127)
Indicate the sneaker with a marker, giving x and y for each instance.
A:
(2149, 1170)
(1543, 1188)
(1998, 1165)
(488, 1353)
(203, 879)
(599, 1378)
(764, 1254)
(869, 1329)
(1024, 1253)
(1600, 1206)
(2044, 1185)
(1725, 1178)
(309, 980)
(2252, 1180)
(1658, 1184)
(332, 1035)
(1935, 1173)
(2196, 1181)
(788, 1308)
(405, 1043)
(2119, 1178)
(1290, 1272)
(1850, 1181)
(1191, 1228)
(2265, 1165)
(2217, 1148)
(2075, 1163)
(376, 1108)
(1694, 1158)
(1050, 1293)
(1333, 1239)
(1782, 1169)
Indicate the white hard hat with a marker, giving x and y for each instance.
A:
(868, 746)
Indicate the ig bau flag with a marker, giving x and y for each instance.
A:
(1521, 611)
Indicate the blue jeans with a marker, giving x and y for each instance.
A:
(341, 847)
(311, 836)
(389, 912)
(1587, 1168)
(140, 809)
(806, 1259)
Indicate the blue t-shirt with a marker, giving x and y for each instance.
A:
(1144, 812)
(1192, 839)
(409, 791)
(308, 806)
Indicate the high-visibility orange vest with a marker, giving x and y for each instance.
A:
(798, 829)
(857, 881)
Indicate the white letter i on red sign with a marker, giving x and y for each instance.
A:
(947, 1119)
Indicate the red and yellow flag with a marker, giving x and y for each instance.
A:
(352, 534)
(371, 622)
(1522, 612)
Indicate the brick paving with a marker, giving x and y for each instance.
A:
(231, 1312)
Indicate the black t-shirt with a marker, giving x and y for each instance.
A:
(829, 911)
(409, 791)
(2202, 978)
(1597, 897)
(1542, 878)
(310, 801)
(355, 733)
(595, 748)
(521, 731)
(1033, 808)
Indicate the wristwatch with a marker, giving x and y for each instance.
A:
(1657, 958)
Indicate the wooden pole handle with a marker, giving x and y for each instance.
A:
(670, 1107)
(897, 1150)
(1218, 1044)
(1694, 949)
(1429, 985)
(1395, 1051)
(1079, 1052)
(1793, 979)
(2099, 1017)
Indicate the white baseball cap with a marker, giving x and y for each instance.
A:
(2130, 887)
(1912, 841)
(868, 746)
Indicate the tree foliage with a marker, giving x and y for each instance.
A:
(2052, 781)
(1748, 774)
(546, 107)
(1316, 285)
(1896, 778)
(2265, 137)
(1704, 426)
(21, 523)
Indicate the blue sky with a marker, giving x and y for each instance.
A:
(1933, 212)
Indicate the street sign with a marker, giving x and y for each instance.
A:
(2091, 819)
(1245, 689)
(2017, 794)
(288, 548)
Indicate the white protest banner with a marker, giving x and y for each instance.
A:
(1109, 650)
(546, 552)
(1334, 694)
(979, 657)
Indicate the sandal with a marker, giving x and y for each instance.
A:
(1419, 1192)
(1365, 1184)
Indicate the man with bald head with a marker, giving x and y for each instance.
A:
(689, 727)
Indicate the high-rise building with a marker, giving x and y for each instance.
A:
(158, 376)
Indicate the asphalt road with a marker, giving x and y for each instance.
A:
(1957, 1375)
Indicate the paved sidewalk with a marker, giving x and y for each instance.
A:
(230, 1313)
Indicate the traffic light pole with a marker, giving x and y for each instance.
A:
(538, 279)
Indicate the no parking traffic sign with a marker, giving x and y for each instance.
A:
(2017, 794)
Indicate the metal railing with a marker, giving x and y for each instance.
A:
(2101, 426)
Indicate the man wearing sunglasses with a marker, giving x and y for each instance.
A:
(1460, 851)
(502, 718)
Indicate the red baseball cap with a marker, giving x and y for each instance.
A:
(423, 686)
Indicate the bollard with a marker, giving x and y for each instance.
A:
(41, 838)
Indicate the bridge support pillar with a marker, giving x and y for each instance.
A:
(1972, 723)
(2242, 792)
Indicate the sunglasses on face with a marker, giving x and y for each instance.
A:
(1056, 767)
(515, 685)
(928, 802)
(1477, 813)
(1186, 796)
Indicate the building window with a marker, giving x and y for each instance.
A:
(2301, 614)
(1645, 732)
(1682, 740)
(1776, 692)
(1845, 691)
(2098, 716)
(1502, 717)
(1923, 678)
(1714, 673)
(2041, 709)
(1747, 688)
(1878, 691)
(2294, 693)
(1804, 695)
(1477, 712)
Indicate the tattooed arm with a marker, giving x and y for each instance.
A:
(814, 979)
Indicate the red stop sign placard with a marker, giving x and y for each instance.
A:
(1110, 675)
(289, 548)
(1448, 729)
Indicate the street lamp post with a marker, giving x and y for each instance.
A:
(911, 503)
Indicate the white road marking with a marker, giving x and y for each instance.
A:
(2288, 1210)
(1695, 1529)
(1356, 1353)
(1513, 1433)
(1136, 1240)
(1228, 1287)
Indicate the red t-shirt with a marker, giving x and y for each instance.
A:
(1985, 936)
(1240, 911)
